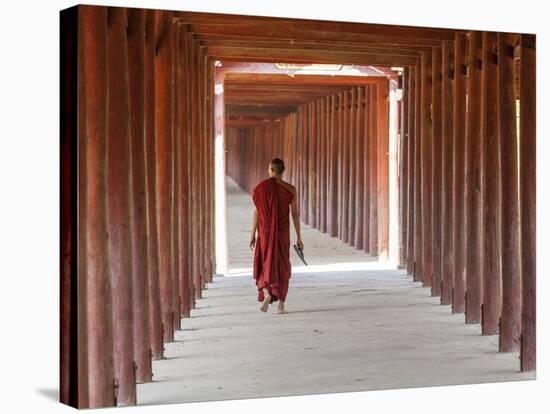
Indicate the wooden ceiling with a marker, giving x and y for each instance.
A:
(283, 40)
(254, 98)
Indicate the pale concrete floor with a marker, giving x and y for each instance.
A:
(353, 325)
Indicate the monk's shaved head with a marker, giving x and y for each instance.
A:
(277, 165)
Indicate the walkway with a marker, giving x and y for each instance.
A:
(353, 325)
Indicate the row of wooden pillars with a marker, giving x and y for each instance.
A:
(467, 182)
(137, 240)
(336, 152)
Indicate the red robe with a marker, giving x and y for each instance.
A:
(272, 252)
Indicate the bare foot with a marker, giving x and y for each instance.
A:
(281, 308)
(265, 303)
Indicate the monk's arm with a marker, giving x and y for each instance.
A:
(253, 229)
(296, 219)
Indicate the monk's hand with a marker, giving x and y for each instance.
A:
(252, 242)
(300, 244)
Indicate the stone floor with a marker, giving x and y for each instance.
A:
(353, 325)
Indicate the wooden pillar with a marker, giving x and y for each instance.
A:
(182, 151)
(527, 188)
(176, 177)
(491, 250)
(323, 169)
(195, 171)
(393, 186)
(365, 136)
(447, 202)
(417, 273)
(510, 325)
(426, 176)
(96, 358)
(312, 168)
(473, 182)
(383, 186)
(155, 317)
(352, 156)
(412, 184)
(318, 156)
(437, 169)
(339, 119)
(69, 351)
(163, 123)
(345, 171)
(373, 220)
(459, 123)
(140, 266)
(359, 171)
(403, 169)
(333, 194)
(118, 205)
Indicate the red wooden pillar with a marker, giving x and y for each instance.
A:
(403, 169)
(163, 123)
(69, 351)
(365, 136)
(333, 193)
(411, 142)
(359, 170)
(323, 169)
(417, 273)
(345, 170)
(352, 156)
(510, 325)
(373, 220)
(473, 182)
(527, 188)
(195, 171)
(176, 176)
(459, 123)
(339, 120)
(156, 333)
(95, 359)
(140, 265)
(447, 173)
(118, 205)
(317, 156)
(383, 186)
(491, 251)
(182, 151)
(426, 161)
(312, 168)
(437, 169)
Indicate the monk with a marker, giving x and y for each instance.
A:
(273, 199)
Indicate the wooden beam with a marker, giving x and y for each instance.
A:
(317, 25)
(272, 31)
(253, 54)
